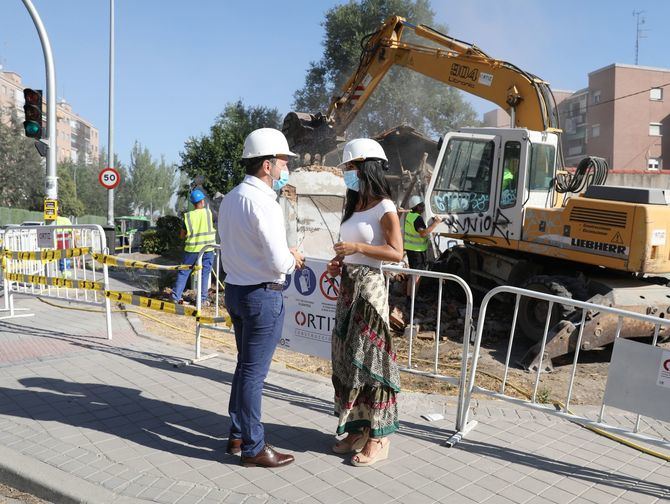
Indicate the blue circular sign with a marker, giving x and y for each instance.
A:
(305, 281)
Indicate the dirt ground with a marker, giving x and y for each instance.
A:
(589, 382)
(9, 495)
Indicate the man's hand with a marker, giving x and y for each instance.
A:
(299, 258)
(437, 219)
(346, 248)
(334, 267)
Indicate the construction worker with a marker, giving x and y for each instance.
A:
(257, 259)
(416, 239)
(199, 233)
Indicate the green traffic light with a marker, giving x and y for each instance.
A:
(32, 128)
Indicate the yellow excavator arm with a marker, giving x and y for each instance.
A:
(527, 98)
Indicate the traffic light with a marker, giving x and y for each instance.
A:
(33, 113)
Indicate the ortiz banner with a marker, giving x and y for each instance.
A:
(310, 296)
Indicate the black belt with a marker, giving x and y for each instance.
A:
(273, 286)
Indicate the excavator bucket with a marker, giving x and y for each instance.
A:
(309, 133)
(600, 328)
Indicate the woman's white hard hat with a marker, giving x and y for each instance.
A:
(361, 149)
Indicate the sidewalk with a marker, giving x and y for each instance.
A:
(83, 419)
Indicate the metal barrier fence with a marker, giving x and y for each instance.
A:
(214, 325)
(57, 262)
(470, 387)
(412, 275)
(388, 270)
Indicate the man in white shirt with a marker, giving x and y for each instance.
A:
(257, 259)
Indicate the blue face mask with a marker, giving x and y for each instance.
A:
(281, 182)
(351, 180)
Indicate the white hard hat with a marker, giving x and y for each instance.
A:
(362, 148)
(414, 201)
(266, 142)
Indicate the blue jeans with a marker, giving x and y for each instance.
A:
(182, 275)
(258, 315)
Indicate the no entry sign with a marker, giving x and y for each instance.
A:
(109, 178)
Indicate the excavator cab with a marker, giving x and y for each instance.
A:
(485, 177)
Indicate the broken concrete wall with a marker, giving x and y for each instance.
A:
(313, 203)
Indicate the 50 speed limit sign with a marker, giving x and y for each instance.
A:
(109, 178)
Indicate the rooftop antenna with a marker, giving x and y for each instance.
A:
(639, 32)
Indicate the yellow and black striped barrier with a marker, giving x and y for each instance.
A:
(111, 260)
(56, 281)
(124, 297)
(45, 254)
(164, 306)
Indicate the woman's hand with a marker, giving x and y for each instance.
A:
(334, 267)
(346, 248)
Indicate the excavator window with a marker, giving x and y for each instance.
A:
(464, 180)
(510, 177)
(542, 159)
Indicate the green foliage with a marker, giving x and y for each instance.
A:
(169, 229)
(22, 170)
(165, 239)
(216, 156)
(404, 96)
(544, 395)
(151, 243)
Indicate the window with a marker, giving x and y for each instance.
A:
(653, 164)
(595, 131)
(596, 97)
(541, 173)
(656, 94)
(510, 177)
(464, 181)
(654, 129)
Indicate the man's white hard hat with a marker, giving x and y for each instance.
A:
(266, 142)
(414, 201)
(361, 149)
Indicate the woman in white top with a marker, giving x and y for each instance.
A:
(365, 372)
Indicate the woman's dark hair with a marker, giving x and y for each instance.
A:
(372, 185)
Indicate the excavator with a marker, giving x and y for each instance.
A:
(522, 218)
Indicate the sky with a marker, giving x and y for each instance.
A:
(179, 63)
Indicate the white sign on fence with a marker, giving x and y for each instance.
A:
(45, 238)
(634, 379)
(310, 297)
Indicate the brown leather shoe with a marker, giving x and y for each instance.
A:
(234, 446)
(267, 457)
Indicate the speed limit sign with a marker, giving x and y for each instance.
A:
(109, 178)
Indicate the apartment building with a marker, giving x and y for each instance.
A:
(627, 115)
(621, 116)
(78, 139)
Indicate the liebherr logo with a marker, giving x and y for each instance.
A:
(605, 247)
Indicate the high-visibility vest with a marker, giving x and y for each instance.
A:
(199, 229)
(508, 179)
(413, 240)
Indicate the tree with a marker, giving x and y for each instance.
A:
(68, 202)
(22, 171)
(152, 184)
(217, 156)
(403, 96)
